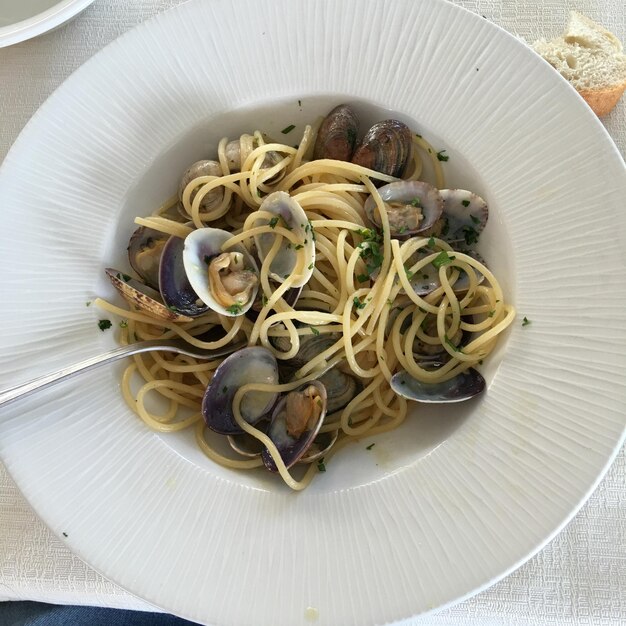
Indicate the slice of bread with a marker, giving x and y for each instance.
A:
(591, 59)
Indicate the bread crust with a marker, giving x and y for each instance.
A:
(602, 101)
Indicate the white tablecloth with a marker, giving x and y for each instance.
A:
(579, 578)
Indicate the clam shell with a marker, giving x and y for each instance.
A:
(200, 247)
(146, 298)
(290, 448)
(385, 148)
(293, 217)
(249, 365)
(426, 198)
(466, 215)
(176, 290)
(341, 388)
(336, 138)
(195, 170)
(320, 446)
(144, 254)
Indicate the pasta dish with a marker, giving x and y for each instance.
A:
(330, 267)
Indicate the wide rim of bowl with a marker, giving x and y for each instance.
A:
(584, 113)
(41, 22)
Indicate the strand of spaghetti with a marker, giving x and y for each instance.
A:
(164, 225)
(219, 458)
(425, 145)
(303, 146)
(341, 168)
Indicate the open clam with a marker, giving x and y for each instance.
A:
(249, 365)
(412, 207)
(143, 296)
(227, 282)
(296, 420)
(465, 215)
(290, 215)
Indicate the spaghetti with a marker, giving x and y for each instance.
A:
(360, 298)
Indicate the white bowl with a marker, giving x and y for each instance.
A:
(25, 19)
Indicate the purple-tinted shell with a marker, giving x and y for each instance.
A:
(336, 138)
(144, 253)
(249, 365)
(176, 291)
(291, 450)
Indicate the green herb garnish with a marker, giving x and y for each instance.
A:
(491, 313)
(451, 344)
(321, 466)
(470, 234)
(288, 129)
(465, 203)
(104, 324)
(299, 246)
(124, 324)
(416, 202)
(311, 265)
(446, 227)
(441, 156)
(431, 242)
(442, 259)
(370, 446)
(357, 303)
(88, 303)
(234, 309)
(272, 223)
(362, 278)
(525, 321)
(224, 389)
(314, 330)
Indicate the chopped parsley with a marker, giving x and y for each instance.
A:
(475, 219)
(104, 324)
(470, 234)
(124, 277)
(357, 303)
(525, 321)
(431, 242)
(416, 202)
(491, 313)
(172, 308)
(299, 103)
(124, 324)
(441, 156)
(234, 309)
(288, 129)
(371, 249)
(362, 278)
(465, 203)
(88, 303)
(311, 265)
(418, 136)
(321, 466)
(442, 259)
(273, 222)
(409, 273)
(402, 230)
(264, 300)
(224, 389)
(314, 330)
(299, 246)
(370, 446)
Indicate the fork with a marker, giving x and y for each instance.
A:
(177, 345)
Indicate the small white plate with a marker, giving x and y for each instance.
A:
(24, 19)
(437, 510)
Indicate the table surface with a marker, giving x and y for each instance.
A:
(579, 578)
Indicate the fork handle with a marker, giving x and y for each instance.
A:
(25, 389)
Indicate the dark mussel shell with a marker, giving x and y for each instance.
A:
(249, 365)
(176, 291)
(146, 298)
(144, 254)
(336, 138)
(292, 449)
(386, 148)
